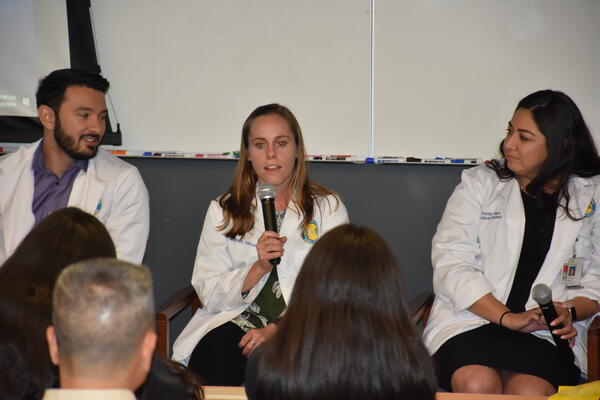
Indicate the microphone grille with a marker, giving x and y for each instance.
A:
(541, 293)
(265, 191)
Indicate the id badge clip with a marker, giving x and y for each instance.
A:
(571, 273)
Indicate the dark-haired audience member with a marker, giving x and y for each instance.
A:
(346, 333)
(65, 168)
(26, 282)
(506, 228)
(14, 376)
(170, 380)
(102, 336)
(242, 294)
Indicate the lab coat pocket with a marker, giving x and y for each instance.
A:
(101, 210)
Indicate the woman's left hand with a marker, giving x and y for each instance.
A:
(255, 337)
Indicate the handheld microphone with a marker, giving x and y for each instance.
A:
(266, 194)
(542, 294)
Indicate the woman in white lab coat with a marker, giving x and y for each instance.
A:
(242, 295)
(507, 227)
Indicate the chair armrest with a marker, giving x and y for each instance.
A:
(176, 303)
(593, 350)
(420, 306)
(167, 311)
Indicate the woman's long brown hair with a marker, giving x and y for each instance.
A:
(346, 333)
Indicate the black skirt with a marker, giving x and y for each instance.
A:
(496, 347)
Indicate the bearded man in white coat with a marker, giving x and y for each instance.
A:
(65, 168)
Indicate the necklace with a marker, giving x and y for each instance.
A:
(522, 186)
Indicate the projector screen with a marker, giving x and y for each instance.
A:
(34, 41)
(36, 38)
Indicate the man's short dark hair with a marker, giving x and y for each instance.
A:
(51, 89)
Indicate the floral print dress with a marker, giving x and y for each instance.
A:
(269, 304)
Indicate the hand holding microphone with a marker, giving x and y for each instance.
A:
(269, 243)
(542, 294)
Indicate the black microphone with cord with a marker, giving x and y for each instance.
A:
(542, 294)
(266, 194)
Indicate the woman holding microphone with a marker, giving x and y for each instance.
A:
(508, 227)
(242, 293)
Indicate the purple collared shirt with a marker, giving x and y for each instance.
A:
(51, 193)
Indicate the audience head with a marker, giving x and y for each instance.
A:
(65, 236)
(14, 384)
(28, 277)
(348, 334)
(103, 324)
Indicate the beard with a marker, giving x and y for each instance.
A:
(69, 146)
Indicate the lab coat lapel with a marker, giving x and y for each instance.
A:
(565, 231)
(291, 220)
(515, 226)
(259, 222)
(15, 205)
(87, 189)
(16, 176)
(288, 269)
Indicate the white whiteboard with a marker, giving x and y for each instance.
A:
(447, 73)
(185, 74)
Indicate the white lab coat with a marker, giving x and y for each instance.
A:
(222, 265)
(476, 250)
(111, 190)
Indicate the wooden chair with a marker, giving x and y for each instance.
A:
(168, 310)
(420, 307)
